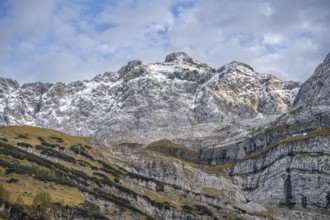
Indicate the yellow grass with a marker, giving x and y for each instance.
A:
(32, 133)
(28, 187)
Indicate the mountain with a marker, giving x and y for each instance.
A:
(171, 140)
(286, 162)
(315, 90)
(177, 99)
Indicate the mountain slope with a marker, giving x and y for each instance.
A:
(316, 90)
(286, 162)
(109, 181)
(163, 100)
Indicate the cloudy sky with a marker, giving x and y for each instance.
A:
(60, 40)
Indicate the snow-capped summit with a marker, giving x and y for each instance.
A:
(180, 57)
(142, 102)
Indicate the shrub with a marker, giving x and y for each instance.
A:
(88, 147)
(45, 143)
(4, 139)
(187, 209)
(109, 169)
(12, 180)
(57, 139)
(84, 163)
(81, 151)
(39, 147)
(90, 206)
(203, 210)
(26, 145)
(54, 153)
(22, 136)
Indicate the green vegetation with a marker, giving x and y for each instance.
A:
(12, 180)
(22, 136)
(187, 209)
(44, 209)
(73, 178)
(45, 143)
(91, 181)
(22, 144)
(80, 150)
(130, 145)
(167, 144)
(85, 164)
(109, 169)
(159, 184)
(4, 139)
(91, 210)
(88, 147)
(203, 210)
(172, 149)
(57, 139)
(54, 153)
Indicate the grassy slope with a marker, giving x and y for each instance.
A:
(86, 175)
(72, 182)
(27, 185)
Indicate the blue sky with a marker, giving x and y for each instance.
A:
(60, 40)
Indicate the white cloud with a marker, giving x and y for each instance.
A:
(267, 9)
(60, 40)
(270, 38)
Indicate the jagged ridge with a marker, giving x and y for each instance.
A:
(146, 102)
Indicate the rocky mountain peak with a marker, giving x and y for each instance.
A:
(8, 83)
(133, 69)
(149, 101)
(179, 57)
(7, 87)
(249, 93)
(237, 65)
(316, 90)
(327, 58)
(131, 65)
(235, 70)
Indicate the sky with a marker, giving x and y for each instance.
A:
(60, 40)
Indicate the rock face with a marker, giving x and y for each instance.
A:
(178, 99)
(316, 90)
(286, 163)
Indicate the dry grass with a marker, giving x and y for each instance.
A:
(12, 133)
(27, 187)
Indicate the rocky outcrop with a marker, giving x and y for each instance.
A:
(285, 163)
(13, 212)
(246, 93)
(316, 90)
(305, 156)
